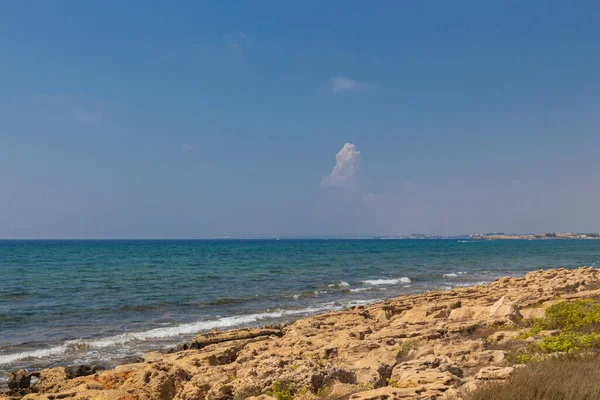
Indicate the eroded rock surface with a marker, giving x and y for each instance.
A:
(422, 346)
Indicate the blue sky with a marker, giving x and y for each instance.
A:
(198, 119)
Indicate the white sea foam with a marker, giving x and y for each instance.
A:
(455, 274)
(42, 353)
(356, 290)
(387, 281)
(166, 332)
(339, 284)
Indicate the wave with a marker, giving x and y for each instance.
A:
(454, 274)
(387, 281)
(339, 284)
(166, 332)
(356, 290)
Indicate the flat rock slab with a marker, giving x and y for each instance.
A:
(214, 337)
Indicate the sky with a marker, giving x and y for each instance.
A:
(197, 119)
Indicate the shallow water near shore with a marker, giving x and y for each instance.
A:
(73, 302)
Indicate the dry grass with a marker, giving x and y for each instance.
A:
(565, 378)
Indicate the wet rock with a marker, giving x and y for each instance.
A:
(181, 347)
(19, 380)
(81, 370)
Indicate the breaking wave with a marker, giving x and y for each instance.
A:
(164, 333)
(387, 281)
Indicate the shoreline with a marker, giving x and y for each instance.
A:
(135, 343)
(352, 354)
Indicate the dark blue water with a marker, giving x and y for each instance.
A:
(65, 302)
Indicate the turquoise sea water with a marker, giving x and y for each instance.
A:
(69, 302)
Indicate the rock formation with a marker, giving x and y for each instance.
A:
(433, 345)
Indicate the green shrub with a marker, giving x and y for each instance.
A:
(572, 316)
(568, 342)
(577, 323)
(322, 391)
(535, 325)
(521, 357)
(281, 392)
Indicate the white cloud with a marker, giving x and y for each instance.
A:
(186, 147)
(346, 168)
(89, 116)
(341, 84)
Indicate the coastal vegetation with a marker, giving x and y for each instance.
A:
(281, 391)
(563, 364)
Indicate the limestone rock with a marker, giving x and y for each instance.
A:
(476, 313)
(214, 337)
(386, 393)
(505, 308)
(494, 373)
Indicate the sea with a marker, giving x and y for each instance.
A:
(108, 302)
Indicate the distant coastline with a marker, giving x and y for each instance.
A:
(535, 236)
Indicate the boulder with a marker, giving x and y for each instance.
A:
(19, 380)
(505, 308)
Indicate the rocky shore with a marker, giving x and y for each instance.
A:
(433, 345)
